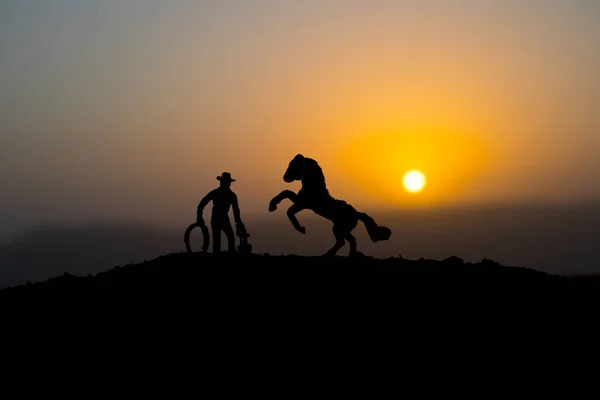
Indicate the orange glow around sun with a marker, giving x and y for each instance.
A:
(414, 167)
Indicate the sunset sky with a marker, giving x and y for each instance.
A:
(131, 108)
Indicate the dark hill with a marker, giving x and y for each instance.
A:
(251, 276)
(297, 318)
(296, 305)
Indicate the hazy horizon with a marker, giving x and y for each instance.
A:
(555, 239)
(120, 110)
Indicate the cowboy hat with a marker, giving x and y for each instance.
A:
(225, 176)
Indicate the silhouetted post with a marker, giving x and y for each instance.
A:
(223, 199)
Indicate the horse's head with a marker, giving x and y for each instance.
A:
(294, 170)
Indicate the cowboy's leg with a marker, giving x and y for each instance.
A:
(286, 194)
(216, 234)
(291, 213)
(228, 230)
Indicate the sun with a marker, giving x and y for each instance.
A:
(414, 181)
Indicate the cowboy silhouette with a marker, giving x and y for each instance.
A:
(223, 198)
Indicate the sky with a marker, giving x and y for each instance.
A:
(130, 108)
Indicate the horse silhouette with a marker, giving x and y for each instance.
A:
(315, 196)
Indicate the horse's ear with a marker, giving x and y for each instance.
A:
(298, 157)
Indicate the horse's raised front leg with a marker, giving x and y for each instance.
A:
(291, 213)
(286, 194)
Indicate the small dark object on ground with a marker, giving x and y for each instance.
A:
(244, 246)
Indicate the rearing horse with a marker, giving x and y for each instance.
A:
(314, 196)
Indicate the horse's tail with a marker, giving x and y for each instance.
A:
(376, 232)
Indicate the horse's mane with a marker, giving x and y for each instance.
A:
(312, 173)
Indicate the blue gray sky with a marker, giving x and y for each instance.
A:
(130, 108)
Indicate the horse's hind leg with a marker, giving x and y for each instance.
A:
(339, 241)
(352, 242)
(285, 194)
(350, 225)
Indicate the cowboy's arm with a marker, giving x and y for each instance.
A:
(236, 210)
(203, 203)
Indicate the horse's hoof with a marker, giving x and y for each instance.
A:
(272, 207)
